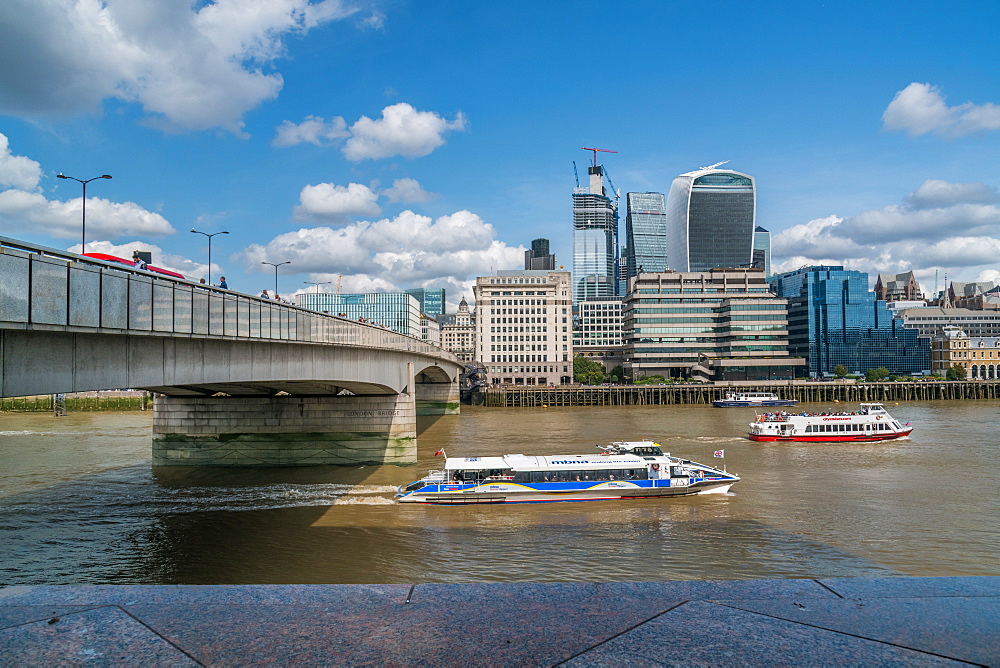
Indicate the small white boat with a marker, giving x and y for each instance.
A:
(871, 422)
(623, 470)
(737, 399)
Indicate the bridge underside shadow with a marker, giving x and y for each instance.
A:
(233, 403)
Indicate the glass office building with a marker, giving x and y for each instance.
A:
(595, 240)
(432, 301)
(762, 250)
(645, 233)
(397, 311)
(711, 217)
(834, 319)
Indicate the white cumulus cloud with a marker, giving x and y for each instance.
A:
(391, 254)
(191, 66)
(313, 130)
(337, 203)
(407, 190)
(62, 220)
(16, 170)
(920, 108)
(402, 130)
(951, 228)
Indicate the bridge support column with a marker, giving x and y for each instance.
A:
(438, 399)
(284, 431)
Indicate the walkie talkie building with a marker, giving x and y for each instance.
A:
(711, 216)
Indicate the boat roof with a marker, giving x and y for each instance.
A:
(547, 462)
(621, 459)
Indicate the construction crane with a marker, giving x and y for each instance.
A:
(576, 174)
(340, 277)
(616, 191)
(595, 150)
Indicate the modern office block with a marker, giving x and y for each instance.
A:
(761, 250)
(834, 319)
(595, 239)
(397, 311)
(713, 325)
(597, 330)
(432, 301)
(645, 233)
(711, 218)
(524, 322)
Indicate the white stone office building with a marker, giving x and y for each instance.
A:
(524, 322)
(458, 332)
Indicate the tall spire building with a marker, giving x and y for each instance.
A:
(595, 239)
(711, 217)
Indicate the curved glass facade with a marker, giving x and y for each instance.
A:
(711, 217)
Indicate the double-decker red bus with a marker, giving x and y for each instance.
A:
(130, 263)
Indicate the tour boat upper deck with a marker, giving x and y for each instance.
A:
(871, 422)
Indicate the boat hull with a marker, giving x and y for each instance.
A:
(512, 493)
(832, 438)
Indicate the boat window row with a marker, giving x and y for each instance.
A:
(551, 476)
(831, 428)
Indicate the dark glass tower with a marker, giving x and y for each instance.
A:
(645, 233)
(833, 318)
(711, 216)
(539, 258)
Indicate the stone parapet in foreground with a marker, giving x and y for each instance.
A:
(906, 620)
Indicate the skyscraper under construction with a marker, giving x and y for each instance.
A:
(595, 238)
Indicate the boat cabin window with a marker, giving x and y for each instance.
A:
(474, 475)
(647, 451)
(581, 476)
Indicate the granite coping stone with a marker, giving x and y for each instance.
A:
(708, 634)
(794, 621)
(963, 628)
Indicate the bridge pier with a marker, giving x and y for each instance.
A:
(284, 431)
(438, 399)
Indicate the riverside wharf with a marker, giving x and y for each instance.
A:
(703, 393)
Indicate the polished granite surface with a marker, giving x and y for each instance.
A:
(912, 621)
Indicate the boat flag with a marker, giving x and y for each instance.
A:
(720, 453)
(440, 452)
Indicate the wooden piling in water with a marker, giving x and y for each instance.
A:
(806, 392)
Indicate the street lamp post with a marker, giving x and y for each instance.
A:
(209, 249)
(317, 284)
(83, 233)
(276, 272)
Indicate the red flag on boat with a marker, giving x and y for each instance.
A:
(720, 453)
(439, 452)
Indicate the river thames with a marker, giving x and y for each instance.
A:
(80, 503)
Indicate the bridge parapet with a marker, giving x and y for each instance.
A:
(47, 289)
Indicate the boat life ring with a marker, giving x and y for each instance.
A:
(655, 467)
(878, 417)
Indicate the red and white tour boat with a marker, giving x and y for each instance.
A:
(871, 422)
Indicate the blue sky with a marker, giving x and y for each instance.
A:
(406, 144)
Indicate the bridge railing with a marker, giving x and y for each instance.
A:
(45, 288)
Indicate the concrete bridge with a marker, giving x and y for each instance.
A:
(239, 380)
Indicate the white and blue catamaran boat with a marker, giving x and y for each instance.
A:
(622, 470)
(740, 399)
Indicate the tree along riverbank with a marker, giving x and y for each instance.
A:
(826, 391)
(110, 400)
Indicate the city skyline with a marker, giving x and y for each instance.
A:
(329, 135)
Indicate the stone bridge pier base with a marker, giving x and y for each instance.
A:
(438, 399)
(284, 431)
